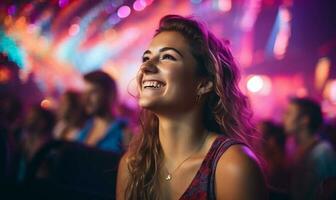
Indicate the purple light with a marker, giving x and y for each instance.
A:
(114, 19)
(62, 3)
(139, 5)
(11, 10)
(124, 11)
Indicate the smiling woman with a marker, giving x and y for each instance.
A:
(196, 138)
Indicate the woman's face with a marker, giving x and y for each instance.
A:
(95, 99)
(167, 77)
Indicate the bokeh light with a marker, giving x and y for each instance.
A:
(46, 103)
(74, 29)
(124, 11)
(139, 5)
(258, 84)
(4, 75)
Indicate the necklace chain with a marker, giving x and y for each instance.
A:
(170, 174)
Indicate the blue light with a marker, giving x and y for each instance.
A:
(9, 47)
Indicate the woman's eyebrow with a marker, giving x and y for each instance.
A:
(147, 52)
(170, 48)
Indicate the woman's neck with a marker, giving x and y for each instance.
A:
(181, 136)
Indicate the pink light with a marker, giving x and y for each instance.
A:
(146, 2)
(124, 11)
(330, 91)
(333, 92)
(63, 3)
(259, 84)
(139, 5)
(255, 84)
(225, 5)
(32, 28)
(74, 29)
(302, 92)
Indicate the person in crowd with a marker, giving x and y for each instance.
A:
(195, 120)
(71, 116)
(273, 151)
(104, 129)
(38, 127)
(329, 132)
(314, 159)
(37, 132)
(11, 115)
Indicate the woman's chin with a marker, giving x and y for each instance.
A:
(146, 103)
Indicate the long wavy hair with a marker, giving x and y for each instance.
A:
(226, 110)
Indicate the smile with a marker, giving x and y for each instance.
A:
(152, 84)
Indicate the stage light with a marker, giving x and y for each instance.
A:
(46, 103)
(255, 84)
(284, 33)
(62, 3)
(5, 75)
(139, 5)
(258, 84)
(124, 11)
(74, 29)
(224, 5)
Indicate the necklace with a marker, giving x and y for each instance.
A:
(169, 175)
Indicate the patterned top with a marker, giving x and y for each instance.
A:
(202, 186)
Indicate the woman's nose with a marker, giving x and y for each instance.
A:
(149, 67)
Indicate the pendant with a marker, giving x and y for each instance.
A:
(168, 177)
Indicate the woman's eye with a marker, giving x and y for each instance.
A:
(167, 56)
(144, 59)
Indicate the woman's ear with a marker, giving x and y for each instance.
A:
(205, 86)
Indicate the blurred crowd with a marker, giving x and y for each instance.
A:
(36, 142)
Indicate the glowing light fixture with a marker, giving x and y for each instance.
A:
(258, 84)
(224, 5)
(139, 5)
(282, 37)
(124, 11)
(46, 103)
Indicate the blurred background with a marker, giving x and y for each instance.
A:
(285, 48)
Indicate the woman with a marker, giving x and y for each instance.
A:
(103, 129)
(196, 127)
(71, 116)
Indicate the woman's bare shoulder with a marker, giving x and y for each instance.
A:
(239, 175)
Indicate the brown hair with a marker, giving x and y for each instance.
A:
(226, 109)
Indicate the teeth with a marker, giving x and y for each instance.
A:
(153, 84)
